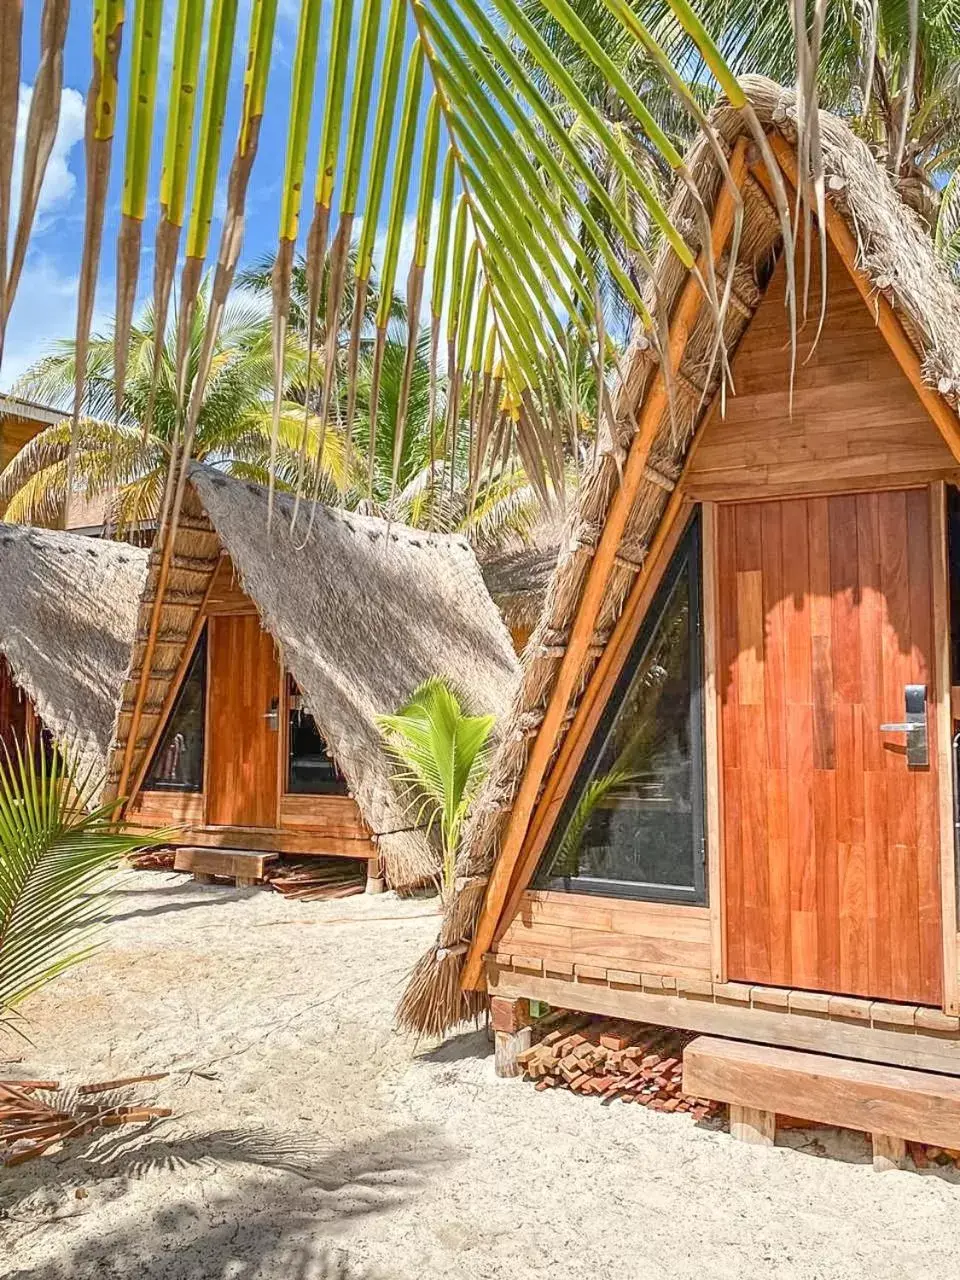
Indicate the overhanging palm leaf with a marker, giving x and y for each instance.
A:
(538, 223)
(443, 757)
(56, 857)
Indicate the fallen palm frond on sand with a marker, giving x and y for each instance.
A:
(31, 1125)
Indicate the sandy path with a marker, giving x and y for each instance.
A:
(310, 1142)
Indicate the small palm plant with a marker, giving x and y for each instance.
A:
(443, 756)
(57, 852)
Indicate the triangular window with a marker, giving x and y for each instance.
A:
(177, 764)
(633, 823)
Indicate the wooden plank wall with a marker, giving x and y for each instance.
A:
(856, 421)
(661, 938)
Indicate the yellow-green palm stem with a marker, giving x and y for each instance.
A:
(11, 32)
(141, 105)
(220, 38)
(98, 150)
(174, 177)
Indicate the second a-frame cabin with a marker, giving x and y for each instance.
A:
(724, 801)
(249, 715)
(68, 614)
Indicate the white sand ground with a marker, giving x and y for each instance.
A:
(310, 1142)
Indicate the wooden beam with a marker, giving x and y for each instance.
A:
(878, 1099)
(907, 1046)
(184, 665)
(568, 677)
(712, 744)
(943, 744)
(888, 322)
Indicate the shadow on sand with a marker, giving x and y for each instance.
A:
(272, 1220)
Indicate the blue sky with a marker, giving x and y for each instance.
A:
(45, 308)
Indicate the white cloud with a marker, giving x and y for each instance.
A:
(60, 181)
(45, 311)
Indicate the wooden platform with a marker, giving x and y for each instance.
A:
(760, 1082)
(242, 866)
(871, 1030)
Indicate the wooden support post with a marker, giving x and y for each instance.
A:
(747, 1124)
(203, 877)
(512, 1032)
(375, 881)
(889, 1152)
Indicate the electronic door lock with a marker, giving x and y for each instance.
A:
(914, 726)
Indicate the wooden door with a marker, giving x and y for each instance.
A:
(831, 842)
(243, 741)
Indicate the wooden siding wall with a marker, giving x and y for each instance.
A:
(857, 422)
(591, 936)
(14, 434)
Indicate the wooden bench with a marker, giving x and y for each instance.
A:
(892, 1104)
(243, 867)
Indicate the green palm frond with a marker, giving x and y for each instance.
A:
(58, 850)
(501, 102)
(442, 756)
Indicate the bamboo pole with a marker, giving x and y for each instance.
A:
(568, 676)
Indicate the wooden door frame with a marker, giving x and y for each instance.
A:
(943, 746)
(944, 742)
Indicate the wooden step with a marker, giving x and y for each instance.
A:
(240, 865)
(759, 1081)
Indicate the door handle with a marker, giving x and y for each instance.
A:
(272, 716)
(914, 725)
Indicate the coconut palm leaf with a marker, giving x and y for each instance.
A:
(58, 850)
(442, 756)
(543, 191)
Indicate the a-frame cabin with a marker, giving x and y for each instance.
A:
(725, 800)
(249, 716)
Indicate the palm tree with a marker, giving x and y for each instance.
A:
(258, 279)
(115, 457)
(58, 849)
(863, 75)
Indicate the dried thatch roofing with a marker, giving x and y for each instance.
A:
(68, 611)
(363, 613)
(517, 573)
(894, 252)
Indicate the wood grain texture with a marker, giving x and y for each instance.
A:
(856, 419)
(242, 774)
(326, 815)
(854, 1095)
(656, 938)
(832, 845)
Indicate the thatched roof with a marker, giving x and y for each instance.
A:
(517, 573)
(362, 611)
(895, 253)
(68, 611)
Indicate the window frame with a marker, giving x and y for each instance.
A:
(688, 553)
(150, 783)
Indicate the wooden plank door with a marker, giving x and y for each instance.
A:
(242, 744)
(831, 842)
